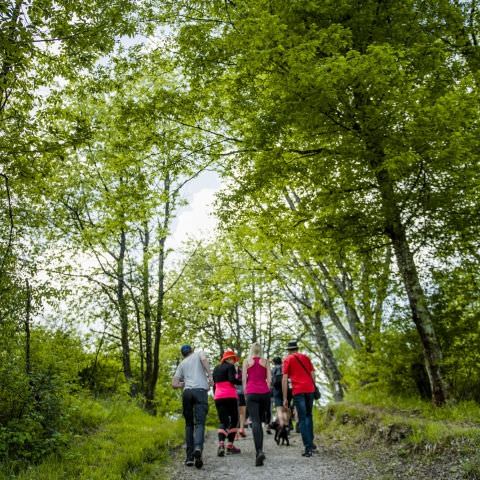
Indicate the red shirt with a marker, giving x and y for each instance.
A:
(301, 377)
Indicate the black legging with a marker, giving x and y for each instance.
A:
(258, 405)
(227, 409)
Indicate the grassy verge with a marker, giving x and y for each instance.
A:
(467, 412)
(124, 443)
(407, 433)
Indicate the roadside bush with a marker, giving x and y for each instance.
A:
(34, 406)
(393, 365)
(103, 376)
(126, 446)
(456, 314)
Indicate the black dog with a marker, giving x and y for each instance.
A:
(281, 433)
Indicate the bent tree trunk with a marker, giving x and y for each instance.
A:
(421, 316)
(332, 372)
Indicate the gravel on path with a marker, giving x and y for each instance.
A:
(281, 462)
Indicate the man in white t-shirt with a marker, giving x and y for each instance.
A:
(194, 376)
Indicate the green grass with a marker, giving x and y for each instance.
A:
(419, 424)
(471, 468)
(400, 434)
(468, 412)
(125, 445)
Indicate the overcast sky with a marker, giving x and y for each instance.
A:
(196, 219)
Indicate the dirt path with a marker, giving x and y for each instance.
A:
(281, 462)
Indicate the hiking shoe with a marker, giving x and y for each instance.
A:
(221, 451)
(232, 450)
(269, 431)
(260, 458)
(315, 449)
(189, 462)
(197, 455)
(307, 453)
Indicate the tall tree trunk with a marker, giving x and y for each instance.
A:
(254, 311)
(328, 304)
(333, 373)
(9, 60)
(163, 231)
(344, 288)
(238, 332)
(8, 249)
(123, 312)
(147, 308)
(269, 326)
(141, 349)
(314, 319)
(218, 331)
(382, 291)
(28, 310)
(421, 316)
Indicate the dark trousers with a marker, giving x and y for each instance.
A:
(304, 404)
(268, 413)
(258, 405)
(227, 409)
(195, 409)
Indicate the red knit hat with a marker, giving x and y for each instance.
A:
(229, 354)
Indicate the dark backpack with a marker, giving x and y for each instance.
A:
(277, 377)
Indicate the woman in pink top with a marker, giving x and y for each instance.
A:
(226, 401)
(256, 380)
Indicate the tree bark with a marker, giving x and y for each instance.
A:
(8, 59)
(327, 303)
(254, 311)
(141, 348)
(329, 363)
(238, 332)
(269, 326)
(382, 291)
(8, 249)
(395, 229)
(163, 230)
(344, 289)
(147, 308)
(333, 373)
(28, 310)
(123, 312)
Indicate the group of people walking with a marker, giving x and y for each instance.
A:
(237, 390)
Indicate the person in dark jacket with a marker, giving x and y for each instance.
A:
(226, 400)
(242, 404)
(283, 416)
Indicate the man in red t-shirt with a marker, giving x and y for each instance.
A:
(299, 369)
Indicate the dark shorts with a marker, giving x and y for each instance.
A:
(241, 400)
(277, 398)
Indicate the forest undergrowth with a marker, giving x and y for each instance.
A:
(115, 439)
(405, 437)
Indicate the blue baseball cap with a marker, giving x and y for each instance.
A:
(186, 349)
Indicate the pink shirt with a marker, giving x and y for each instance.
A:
(257, 378)
(225, 390)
